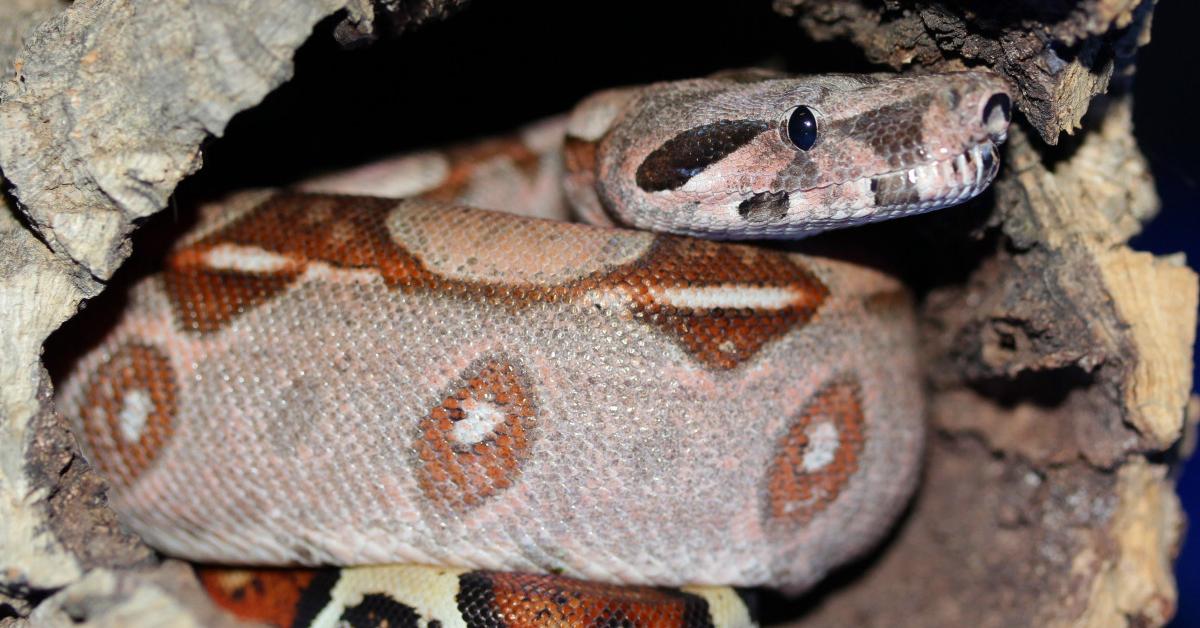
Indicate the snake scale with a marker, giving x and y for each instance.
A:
(507, 421)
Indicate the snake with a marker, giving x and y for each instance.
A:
(409, 408)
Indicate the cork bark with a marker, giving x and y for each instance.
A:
(1059, 359)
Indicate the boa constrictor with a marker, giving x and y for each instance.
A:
(323, 379)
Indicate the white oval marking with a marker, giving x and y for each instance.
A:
(250, 259)
(135, 410)
(482, 418)
(823, 443)
(728, 296)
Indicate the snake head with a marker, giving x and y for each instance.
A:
(754, 155)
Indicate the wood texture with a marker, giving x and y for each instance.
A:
(1061, 53)
(1060, 358)
(1061, 370)
(102, 113)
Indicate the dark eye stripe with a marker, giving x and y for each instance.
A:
(689, 153)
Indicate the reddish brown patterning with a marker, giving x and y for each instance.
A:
(346, 232)
(414, 596)
(334, 380)
(130, 409)
(722, 337)
(818, 455)
(271, 596)
(357, 380)
(476, 438)
(517, 599)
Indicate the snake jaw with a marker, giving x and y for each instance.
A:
(934, 185)
(789, 157)
(930, 186)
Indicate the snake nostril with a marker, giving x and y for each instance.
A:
(997, 113)
(955, 97)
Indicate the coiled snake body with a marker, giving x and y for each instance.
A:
(329, 379)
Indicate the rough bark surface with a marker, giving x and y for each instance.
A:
(1061, 53)
(101, 115)
(1060, 358)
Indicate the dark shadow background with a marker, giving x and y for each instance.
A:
(499, 64)
(1168, 93)
(488, 69)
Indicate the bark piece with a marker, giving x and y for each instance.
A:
(168, 595)
(103, 113)
(112, 98)
(1060, 369)
(1060, 53)
(995, 543)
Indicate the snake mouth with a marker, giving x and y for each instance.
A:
(933, 185)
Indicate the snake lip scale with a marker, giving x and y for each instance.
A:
(959, 178)
(967, 174)
(492, 418)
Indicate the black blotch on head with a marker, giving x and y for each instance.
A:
(894, 189)
(687, 154)
(764, 206)
(377, 610)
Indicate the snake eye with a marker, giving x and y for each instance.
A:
(802, 128)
